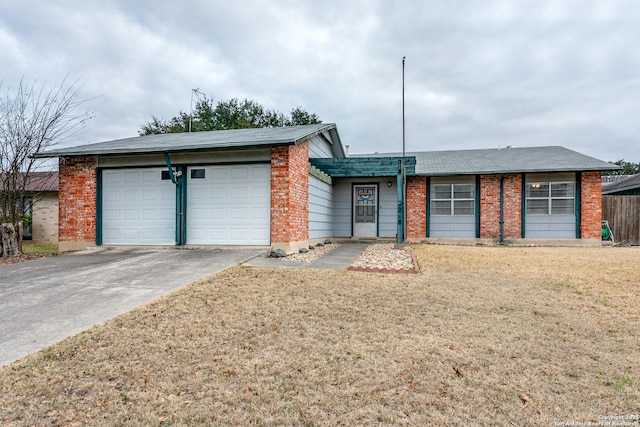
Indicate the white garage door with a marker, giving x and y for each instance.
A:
(138, 207)
(229, 205)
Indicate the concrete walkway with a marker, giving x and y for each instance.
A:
(338, 259)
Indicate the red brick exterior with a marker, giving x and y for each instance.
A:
(416, 207)
(290, 193)
(490, 206)
(591, 205)
(512, 206)
(77, 200)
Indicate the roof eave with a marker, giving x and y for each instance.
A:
(511, 171)
(83, 151)
(158, 150)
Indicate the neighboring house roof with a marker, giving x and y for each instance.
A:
(37, 181)
(628, 184)
(198, 141)
(505, 160)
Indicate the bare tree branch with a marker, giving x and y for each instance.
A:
(33, 118)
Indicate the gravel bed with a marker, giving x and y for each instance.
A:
(312, 254)
(385, 256)
(377, 256)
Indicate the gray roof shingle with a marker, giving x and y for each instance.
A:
(505, 160)
(195, 141)
(631, 183)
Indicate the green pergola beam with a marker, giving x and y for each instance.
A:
(364, 166)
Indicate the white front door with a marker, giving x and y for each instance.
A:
(365, 210)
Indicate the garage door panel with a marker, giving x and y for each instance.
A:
(130, 235)
(237, 203)
(218, 214)
(130, 215)
(111, 234)
(240, 192)
(149, 215)
(138, 207)
(168, 215)
(109, 177)
(111, 196)
(261, 174)
(131, 177)
(149, 176)
(149, 234)
(197, 193)
(219, 193)
(130, 195)
(239, 214)
(241, 173)
(111, 215)
(257, 213)
(218, 174)
(197, 213)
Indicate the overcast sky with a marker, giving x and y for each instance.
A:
(478, 74)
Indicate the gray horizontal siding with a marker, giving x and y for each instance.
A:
(343, 209)
(452, 227)
(319, 148)
(320, 209)
(550, 227)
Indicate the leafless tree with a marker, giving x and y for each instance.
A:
(33, 117)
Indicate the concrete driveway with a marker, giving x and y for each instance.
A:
(47, 300)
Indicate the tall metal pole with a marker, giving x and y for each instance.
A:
(191, 110)
(402, 167)
(403, 137)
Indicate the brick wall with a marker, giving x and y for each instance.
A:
(591, 205)
(77, 200)
(512, 206)
(290, 193)
(416, 207)
(490, 206)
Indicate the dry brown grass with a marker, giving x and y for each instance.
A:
(481, 336)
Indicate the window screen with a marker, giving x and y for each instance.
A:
(453, 199)
(550, 198)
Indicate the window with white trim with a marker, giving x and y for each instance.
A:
(551, 198)
(453, 199)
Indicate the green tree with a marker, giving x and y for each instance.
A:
(230, 114)
(628, 168)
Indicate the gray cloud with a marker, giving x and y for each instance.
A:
(478, 74)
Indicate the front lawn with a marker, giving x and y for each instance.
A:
(481, 336)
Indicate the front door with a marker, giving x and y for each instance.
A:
(365, 210)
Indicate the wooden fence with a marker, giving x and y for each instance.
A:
(623, 214)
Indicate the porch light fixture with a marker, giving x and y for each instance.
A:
(389, 184)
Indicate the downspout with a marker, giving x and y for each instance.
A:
(477, 207)
(176, 178)
(523, 206)
(501, 210)
(578, 207)
(98, 206)
(428, 207)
